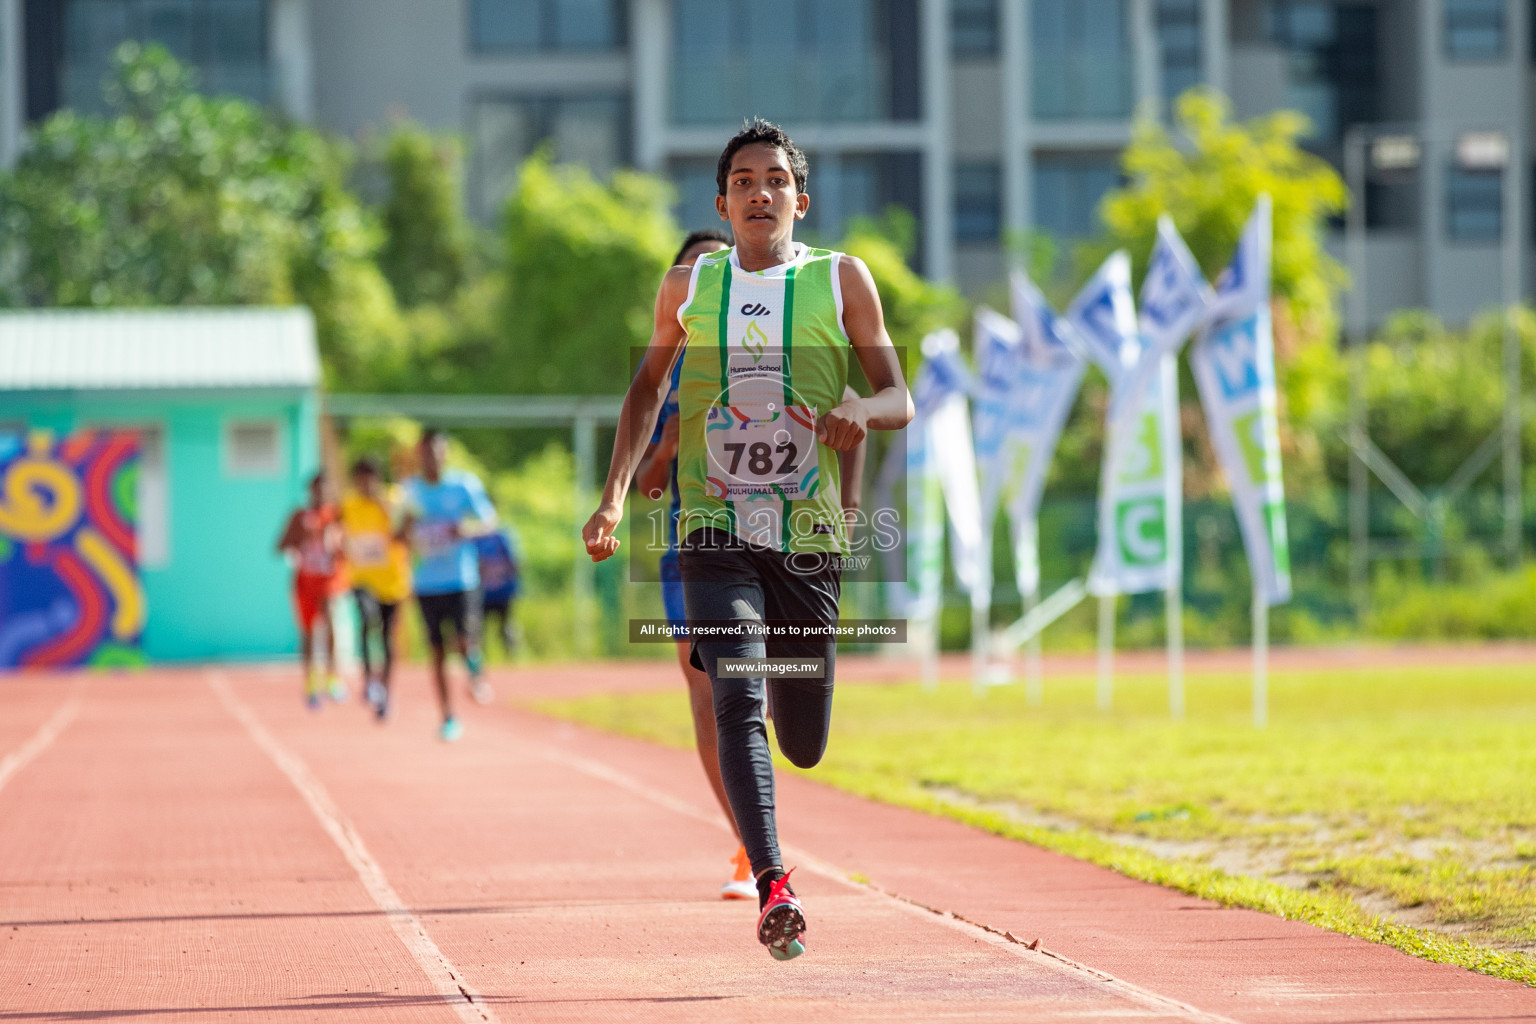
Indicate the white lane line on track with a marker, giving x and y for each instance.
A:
(440, 971)
(46, 733)
(1002, 940)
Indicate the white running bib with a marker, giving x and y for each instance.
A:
(368, 550)
(759, 447)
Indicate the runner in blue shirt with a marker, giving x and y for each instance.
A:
(445, 510)
(501, 557)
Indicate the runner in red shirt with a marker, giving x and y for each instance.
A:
(312, 543)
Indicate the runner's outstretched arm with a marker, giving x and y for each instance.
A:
(289, 541)
(482, 518)
(656, 466)
(890, 406)
(637, 421)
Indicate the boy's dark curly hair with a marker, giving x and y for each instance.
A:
(759, 130)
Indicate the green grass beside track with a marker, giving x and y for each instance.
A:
(1399, 806)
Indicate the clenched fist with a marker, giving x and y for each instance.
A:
(844, 427)
(598, 533)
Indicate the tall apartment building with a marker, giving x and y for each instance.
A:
(979, 116)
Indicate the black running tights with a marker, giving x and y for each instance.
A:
(375, 616)
(726, 581)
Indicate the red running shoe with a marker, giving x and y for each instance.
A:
(781, 927)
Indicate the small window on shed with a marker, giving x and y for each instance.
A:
(252, 448)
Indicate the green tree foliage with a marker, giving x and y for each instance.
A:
(584, 260)
(182, 199)
(1206, 175)
(913, 305)
(1433, 395)
(426, 246)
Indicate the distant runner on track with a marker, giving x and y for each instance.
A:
(380, 565)
(501, 580)
(311, 540)
(445, 510)
(763, 331)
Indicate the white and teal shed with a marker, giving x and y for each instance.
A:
(226, 406)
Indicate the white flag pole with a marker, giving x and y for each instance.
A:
(981, 627)
(1175, 605)
(1034, 671)
(1173, 510)
(928, 633)
(1260, 658)
(1106, 651)
(981, 612)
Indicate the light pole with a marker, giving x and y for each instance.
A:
(1514, 219)
(1499, 151)
(1387, 149)
(1356, 138)
(1391, 149)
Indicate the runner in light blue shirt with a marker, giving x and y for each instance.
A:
(445, 510)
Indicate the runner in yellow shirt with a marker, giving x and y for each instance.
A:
(381, 571)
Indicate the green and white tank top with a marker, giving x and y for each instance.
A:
(766, 355)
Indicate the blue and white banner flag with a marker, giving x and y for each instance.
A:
(1142, 464)
(1174, 302)
(1103, 317)
(1234, 367)
(941, 477)
(1029, 375)
(998, 351)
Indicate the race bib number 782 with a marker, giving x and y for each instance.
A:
(761, 449)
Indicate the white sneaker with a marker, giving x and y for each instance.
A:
(741, 886)
(481, 690)
(734, 890)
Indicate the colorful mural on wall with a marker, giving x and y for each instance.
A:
(69, 582)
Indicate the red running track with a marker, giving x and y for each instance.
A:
(195, 845)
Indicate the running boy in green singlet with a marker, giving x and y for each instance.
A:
(764, 331)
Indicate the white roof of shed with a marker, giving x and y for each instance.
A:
(138, 349)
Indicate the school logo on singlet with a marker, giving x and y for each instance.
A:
(755, 341)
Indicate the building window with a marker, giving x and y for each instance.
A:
(694, 182)
(1178, 44)
(1332, 63)
(154, 500)
(1392, 201)
(505, 130)
(225, 40)
(978, 202)
(973, 28)
(1081, 59)
(1067, 192)
(1530, 183)
(503, 26)
(252, 448)
(1474, 29)
(853, 186)
(796, 61)
(1474, 205)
